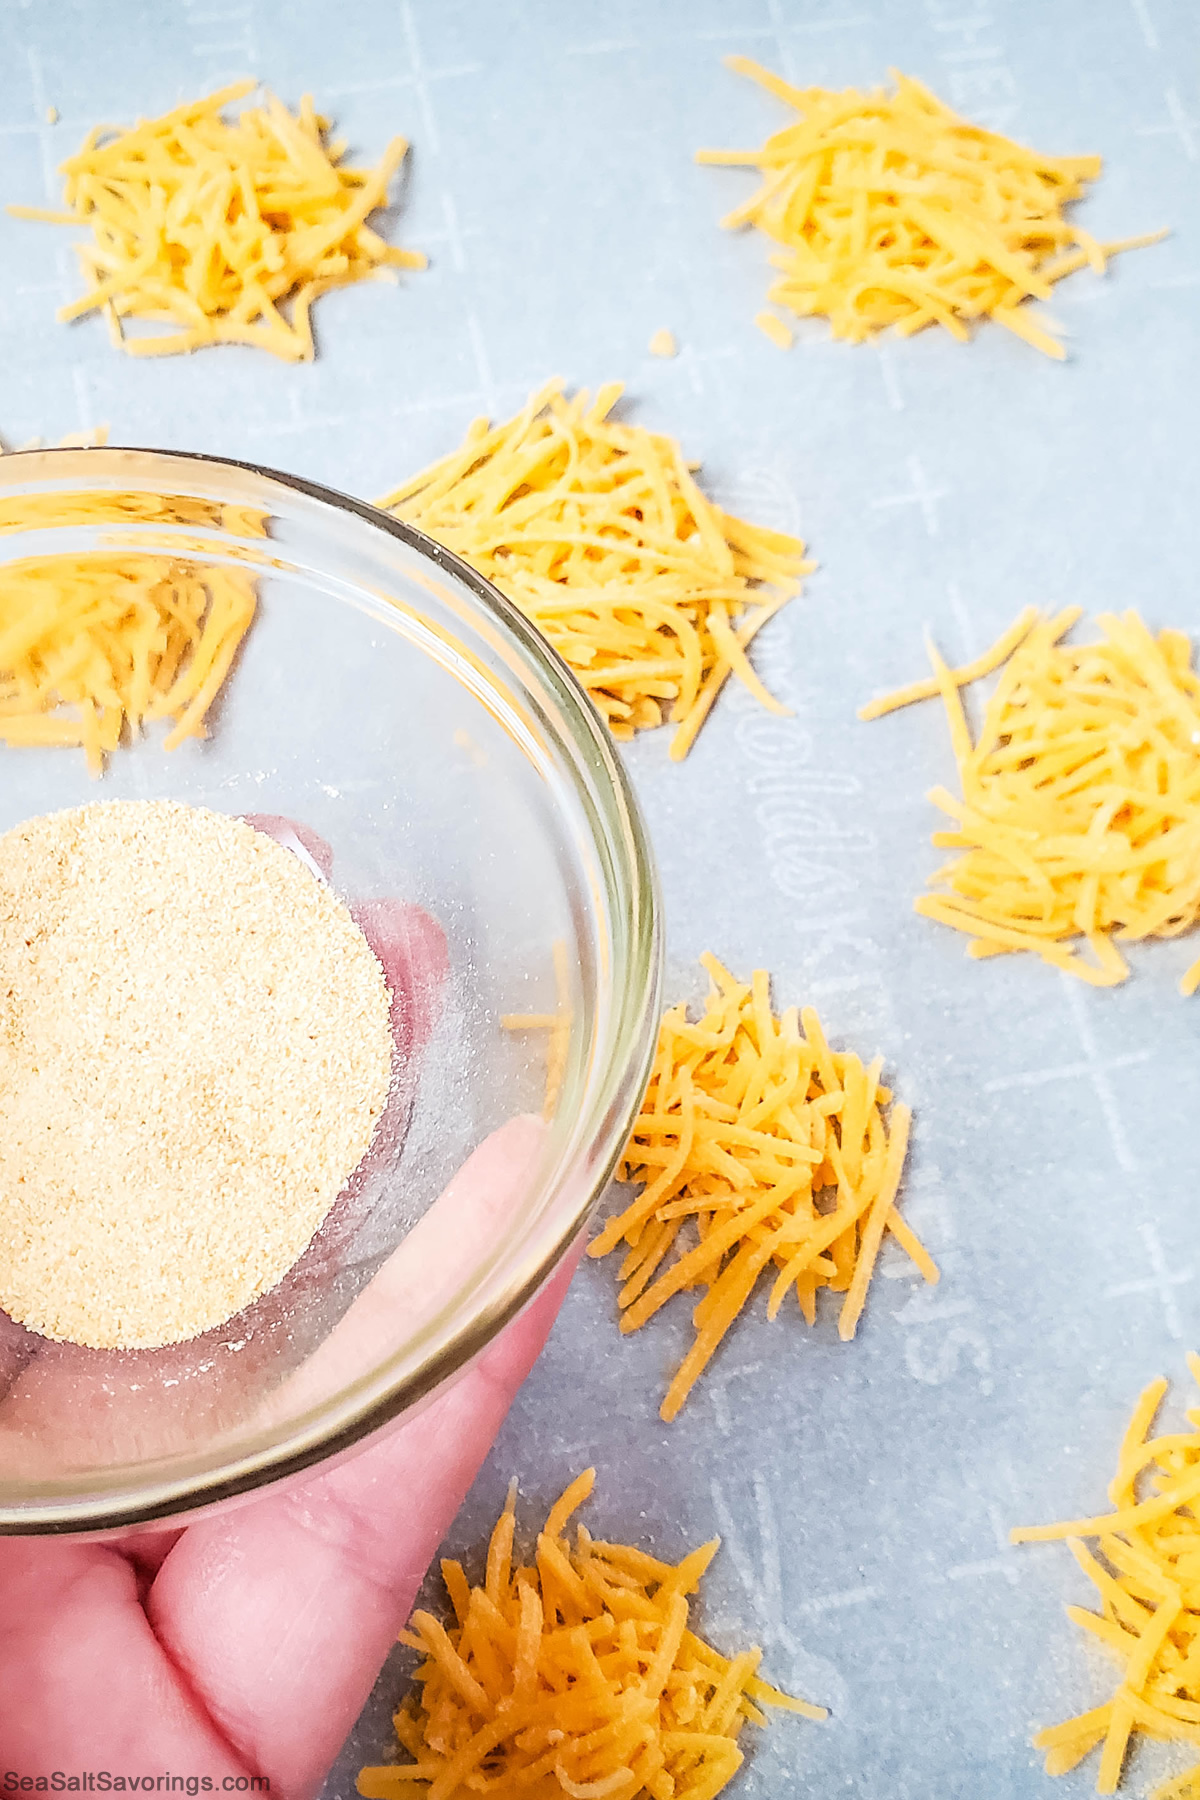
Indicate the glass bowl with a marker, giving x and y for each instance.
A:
(392, 702)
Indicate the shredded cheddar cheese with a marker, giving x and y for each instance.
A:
(892, 210)
(663, 343)
(599, 533)
(214, 227)
(94, 646)
(777, 1150)
(1146, 1570)
(575, 1676)
(772, 326)
(1080, 815)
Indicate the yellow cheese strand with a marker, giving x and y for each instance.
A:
(216, 226)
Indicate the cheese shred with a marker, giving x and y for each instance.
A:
(214, 227)
(1080, 809)
(1146, 1571)
(600, 534)
(891, 210)
(577, 1675)
(775, 1151)
(96, 647)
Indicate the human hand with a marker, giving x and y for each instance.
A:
(245, 1644)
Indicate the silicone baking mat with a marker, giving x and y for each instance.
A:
(863, 1491)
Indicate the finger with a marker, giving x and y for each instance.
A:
(411, 947)
(147, 1552)
(280, 1614)
(84, 1682)
(133, 1405)
(301, 839)
(423, 1275)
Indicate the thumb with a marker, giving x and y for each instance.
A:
(281, 1614)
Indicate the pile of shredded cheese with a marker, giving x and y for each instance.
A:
(777, 1150)
(94, 646)
(1080, 815)
(601, 536)
(575, 1677)
(891, 210)
(1146, 1570)
(214, 226)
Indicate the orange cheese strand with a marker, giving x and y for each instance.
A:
(94, 647)
(576, 1675)
(599, 533)
(890, 210)
(776, 1151)
(215, 227)
(1079, 822)
(1146, 1572)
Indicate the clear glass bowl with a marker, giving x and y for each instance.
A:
(390, 700)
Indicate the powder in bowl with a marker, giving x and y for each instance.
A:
(194, 1053)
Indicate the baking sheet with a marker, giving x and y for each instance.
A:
(863, 1491)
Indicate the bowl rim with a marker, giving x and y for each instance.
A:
(615, 1099)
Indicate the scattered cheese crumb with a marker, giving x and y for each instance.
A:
(92, 646)
(577, 1676)
(463, 740)
(663, 344)
(1080, 815)
(892, 210)
(213, 226)
(52, 115)
(1147, 1573)
(747, 1119)
(601, 536)
(773, 327)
